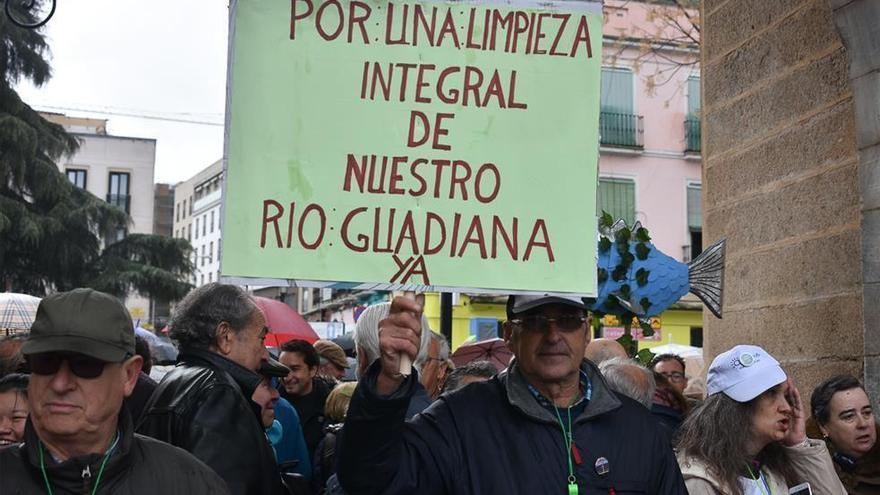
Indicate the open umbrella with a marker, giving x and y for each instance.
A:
(162, 351)
(284, 323)
(493, 350)
(17, 311)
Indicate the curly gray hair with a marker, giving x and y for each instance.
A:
(194, 322)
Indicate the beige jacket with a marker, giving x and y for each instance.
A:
(811, 463)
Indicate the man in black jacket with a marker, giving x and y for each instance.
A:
(204, 404)
(547, 424)
(305, 389)
(79, 437)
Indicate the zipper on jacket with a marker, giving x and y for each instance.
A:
(86, 477)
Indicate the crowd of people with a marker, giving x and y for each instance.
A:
(79, 412)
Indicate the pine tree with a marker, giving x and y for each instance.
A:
(51, 231)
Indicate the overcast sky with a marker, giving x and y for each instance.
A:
(163, 58)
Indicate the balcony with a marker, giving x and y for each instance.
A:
(692, 135)
(121, 201)
(621, 129)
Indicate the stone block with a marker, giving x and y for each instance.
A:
(721, 335)
(869, 173)
(872, 379)
(738, 20)
(857, 23)
(866, 91)
(808, 375)
(808, 32)
(815, 203)
(815, 329)
(824, 139)
(803, 270)
(780, 104)
(871, 311)
(871, 246)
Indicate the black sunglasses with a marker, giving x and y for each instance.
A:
(541, 323)
(48, 363)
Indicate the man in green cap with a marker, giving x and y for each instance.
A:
(79, 438)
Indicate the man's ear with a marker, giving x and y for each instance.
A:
(223, 338)
(507, 330)
(131, 368)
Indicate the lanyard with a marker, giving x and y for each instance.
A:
(568, 445)
(100, 471)
(761, 477)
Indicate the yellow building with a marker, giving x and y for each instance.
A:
(476, 317)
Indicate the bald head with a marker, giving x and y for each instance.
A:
(603, 349)
(630, 379)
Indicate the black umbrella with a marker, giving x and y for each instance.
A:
(346, 341)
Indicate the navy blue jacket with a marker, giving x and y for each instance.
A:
(495, 438)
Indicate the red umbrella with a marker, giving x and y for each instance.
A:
(284, 323)
(493, 350)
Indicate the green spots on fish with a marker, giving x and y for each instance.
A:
(642, 277)
(604, 245)
(297, 181)
(642, 251)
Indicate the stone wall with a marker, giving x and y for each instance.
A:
(781, 182)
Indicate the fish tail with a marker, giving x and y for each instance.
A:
(706, 276)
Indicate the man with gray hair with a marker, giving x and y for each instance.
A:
(204, 404)
(629, 378)
(433, 367)
(366, 341)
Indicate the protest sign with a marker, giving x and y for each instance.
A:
(415, 145)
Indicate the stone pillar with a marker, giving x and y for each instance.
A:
(858, 22)
(781, 182)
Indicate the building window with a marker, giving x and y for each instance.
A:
(211, 253)
(177, 214)
(697, 336)
(692, 122)
(695, 220)
(212, 220)
(203, 256)
(210, 277)
(204, 224)
(118, 193)
(202, 281)
(189, 231)
(77, 177)
(197, 228)
(618, 123)
(617, 197)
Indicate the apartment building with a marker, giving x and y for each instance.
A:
(197, 204)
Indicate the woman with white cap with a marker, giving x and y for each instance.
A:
(748, 437)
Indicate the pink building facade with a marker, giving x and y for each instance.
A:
(649, 165)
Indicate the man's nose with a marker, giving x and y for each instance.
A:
(63, 380)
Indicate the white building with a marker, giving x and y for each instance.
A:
(197, 219)
(117, 169)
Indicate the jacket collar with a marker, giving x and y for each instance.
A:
(247, 380)
(70, 474)
(519, 396)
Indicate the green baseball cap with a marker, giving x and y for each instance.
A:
(84, 321)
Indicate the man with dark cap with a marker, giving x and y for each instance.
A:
(79, 438)
(204, 404)
(552, 423)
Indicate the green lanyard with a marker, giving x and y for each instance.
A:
(100, 471)
(567, 444)
(756, 478)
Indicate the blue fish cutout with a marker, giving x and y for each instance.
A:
(654, 281)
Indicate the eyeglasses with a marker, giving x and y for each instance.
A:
(541, 323)
(48, 363)
(674, 376)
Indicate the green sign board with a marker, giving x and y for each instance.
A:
(415, 145)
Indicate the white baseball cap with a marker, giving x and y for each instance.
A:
(743, 373)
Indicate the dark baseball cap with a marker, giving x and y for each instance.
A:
(84, 321)
(272, 368)
(517, 304)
